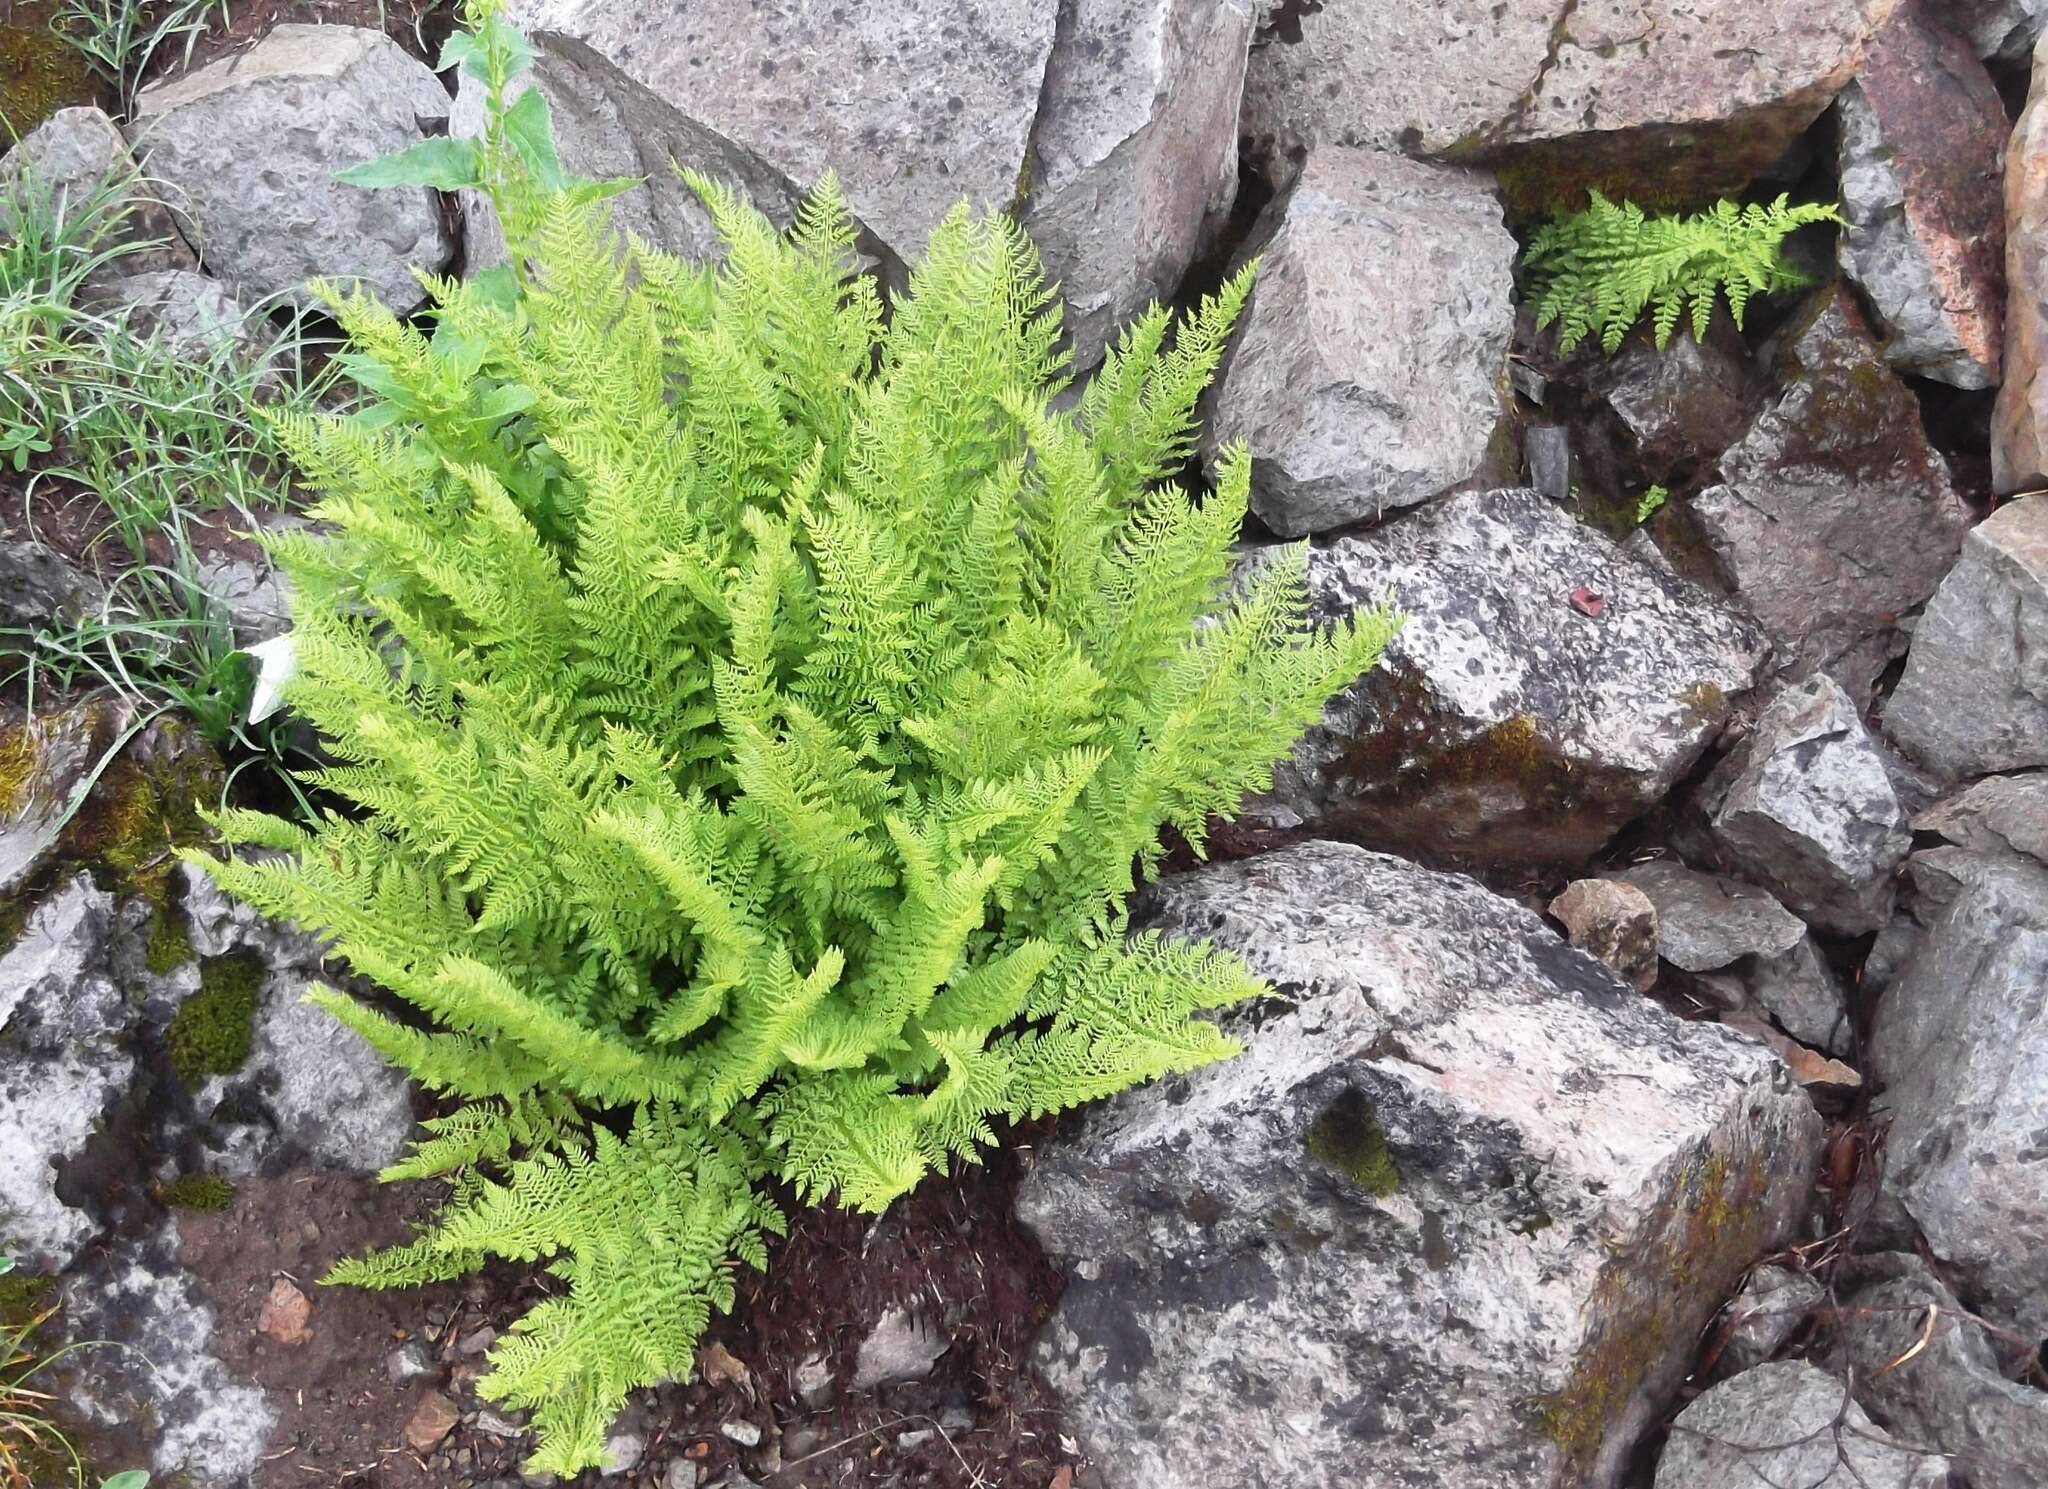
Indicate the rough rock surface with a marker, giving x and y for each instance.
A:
(1706, 922)
(2019, 421)
(1960, 1040)
(1974, 696)
(608, 126)
(1800, 991)
(1769, 1310)
(75, 154)
(1676, 408)
(1546, 689)
(2002, 30)
(64, 1061)
(1806, 809)
(1997, 814)
(1949, 1393)
(46, 760)
(1922, 129)
(1613, 923)
(1835, 515)
(247, 148)
(38, 585)
(188, 315)
(1134, 156)
(1465, 1198)
(1677, 99)
(1788, 1423)
(1354, 405)
(915, 104)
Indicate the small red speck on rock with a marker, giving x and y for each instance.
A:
(1588, 602)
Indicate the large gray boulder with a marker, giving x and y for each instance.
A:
(1974, 696)
(608, 126)
(1835, 516)
(1355, 404)
(1787, 1424)
(1686, 100)
(1960, 1041)
(1133, 160)
(1922, 132)
(247, 149)
(915, 104)
(1456, 1215)
(1805, 807)
(66, 1058)
(1932, 1374)
(1547, 688)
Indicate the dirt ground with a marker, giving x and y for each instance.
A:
(952, 1251)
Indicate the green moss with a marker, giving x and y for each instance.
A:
(17, 755)
(24, 1298)
(1347, 1138)
(170, 943)
(197, 1191)
(210, 1033)
(13, 921)
(39, 74)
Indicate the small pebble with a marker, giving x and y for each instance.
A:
(681, 1474)
(408, 1362)
(476, 1341)
(745, 1433)
(909, 1440)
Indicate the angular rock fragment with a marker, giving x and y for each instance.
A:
(79, 161)
(1614, 923)
(1805, 808)
(2019, 421)
(1772, 1306)
(1788, 1423)
(1671, 101)
(1960, 1041)
(1445, 1114)
(1354, 405)
(1974, 695)
(2002, 31)
(1922, 130)
(1997, 814)
(1835, 516)
(247, 149)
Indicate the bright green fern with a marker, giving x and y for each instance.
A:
(1599, 269)
(753, 713)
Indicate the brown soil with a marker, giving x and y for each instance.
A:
(420, 26)
(952, 1250)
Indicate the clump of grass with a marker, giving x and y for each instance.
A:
(120, 38)
(35, 1452)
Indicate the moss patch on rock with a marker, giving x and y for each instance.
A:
(1346, 1137)
(211, 1031)
(39, 73)
(197, 1191)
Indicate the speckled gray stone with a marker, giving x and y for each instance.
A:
(1706, 922)
(1788, 1423)
(1352, 404)
(247, 148)
(1433, 1189)
(1507, 724)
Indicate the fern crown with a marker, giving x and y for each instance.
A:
(1599, 269)
(751, 713)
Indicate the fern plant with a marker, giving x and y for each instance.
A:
(753, 713)
(1599, 269)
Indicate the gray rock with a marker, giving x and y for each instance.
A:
(188, 315)
(1974, 696)
(625, 1444)
(1134, 156)
(915, 104)
(814, 1385)
(74, 156)
(1355, 405)
(326, 1094)
(247, 148)
(1948, 1392)
(1835, 516)
(680, 1474)
(1921, 134)
(255, 595)
(408, 1362)
(1788, 1424)
(39, 586)
(1800, 991)
(1806, 808)
(1998, 814)
(1766, 1314)
(1614, 923)
(609, 126)
(48, 760)
(1506, 723)
(1562, 95)
(1678, 407)
(1547, 452)
(208, 1428)
(1430, 1207)
(1960, 1040)
(901, 1346)
(2002, 31)
(1706, 922)
(66, 1034)
(741, 1431)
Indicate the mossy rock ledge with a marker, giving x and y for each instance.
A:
(1457, 1214)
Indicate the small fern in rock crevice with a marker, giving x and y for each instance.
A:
(754, 714)
(1598, 270)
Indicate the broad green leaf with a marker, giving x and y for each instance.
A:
(444, 164)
